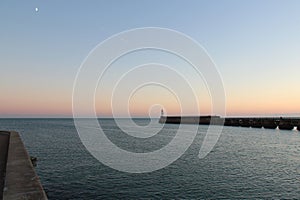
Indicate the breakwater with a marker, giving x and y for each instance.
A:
(283, 123)
(18, 177)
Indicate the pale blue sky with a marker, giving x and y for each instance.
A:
(254, 43)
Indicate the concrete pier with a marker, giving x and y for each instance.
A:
(21, 181)
(255, 122)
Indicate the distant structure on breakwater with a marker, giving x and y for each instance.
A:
(283, 123)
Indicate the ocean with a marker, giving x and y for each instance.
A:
(246, 163)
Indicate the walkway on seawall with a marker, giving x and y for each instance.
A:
(20, 181)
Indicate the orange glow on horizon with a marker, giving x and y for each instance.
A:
(237, 103)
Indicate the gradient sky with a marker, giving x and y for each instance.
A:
(254, 43)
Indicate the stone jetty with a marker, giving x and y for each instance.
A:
(283, 123)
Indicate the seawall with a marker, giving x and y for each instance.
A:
(285, 123)
(20, 180)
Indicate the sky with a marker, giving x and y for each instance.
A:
(253, 43)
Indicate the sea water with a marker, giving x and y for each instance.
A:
(245, 163)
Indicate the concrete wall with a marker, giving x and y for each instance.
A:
(4, 142)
